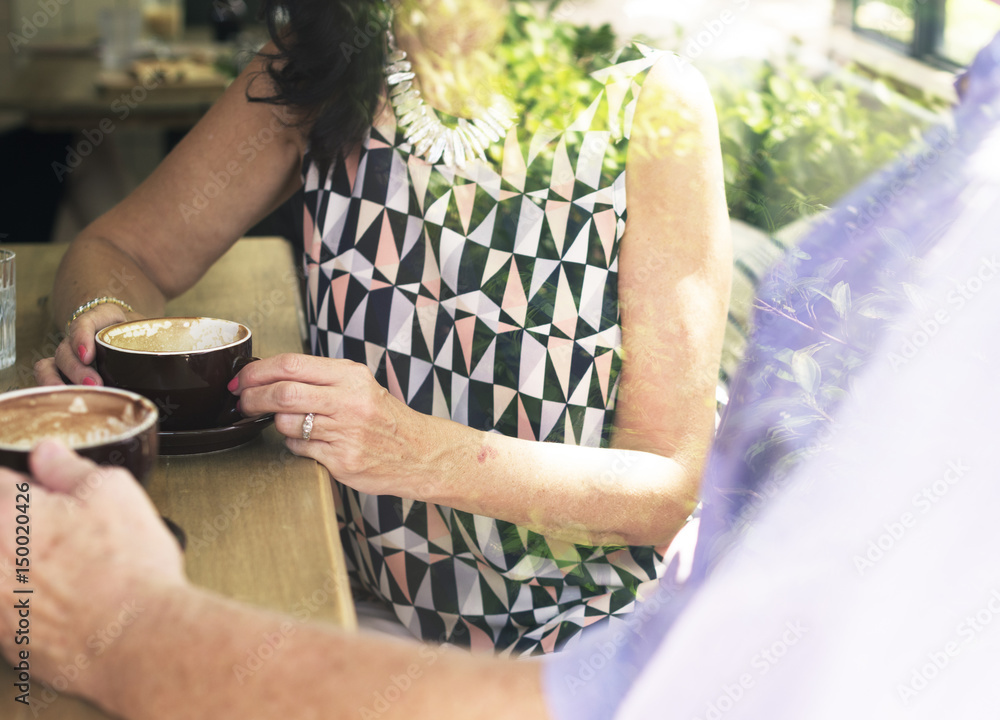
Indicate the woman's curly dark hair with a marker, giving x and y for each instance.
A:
(328, 67)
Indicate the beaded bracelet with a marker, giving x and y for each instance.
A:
(91, 304)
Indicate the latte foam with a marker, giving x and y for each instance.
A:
(79, 420)
(173, 335)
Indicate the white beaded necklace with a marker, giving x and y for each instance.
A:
(423, 129)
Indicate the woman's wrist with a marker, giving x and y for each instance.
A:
(454, 460)
(95, 302)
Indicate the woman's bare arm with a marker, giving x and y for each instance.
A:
(674, 277)
(237, 164)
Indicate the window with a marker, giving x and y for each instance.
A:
(941, 32)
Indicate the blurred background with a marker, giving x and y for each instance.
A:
(812, 95)
(93, 93)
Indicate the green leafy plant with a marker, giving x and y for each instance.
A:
(547, 61)
(793, 145)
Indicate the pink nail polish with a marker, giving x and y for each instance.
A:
(233, 384)
(81, 351)
(89, 381)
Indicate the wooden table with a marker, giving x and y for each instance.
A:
(260, 522)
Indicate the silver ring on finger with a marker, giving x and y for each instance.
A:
(307, 425)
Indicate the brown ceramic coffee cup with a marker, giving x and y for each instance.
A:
(182, 364)
(109, 426)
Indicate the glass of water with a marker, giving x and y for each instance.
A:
(8, 307)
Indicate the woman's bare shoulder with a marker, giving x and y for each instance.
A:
(676, 95)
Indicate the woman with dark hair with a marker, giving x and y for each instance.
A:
(513, 371)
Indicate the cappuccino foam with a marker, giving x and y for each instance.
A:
(26, 421)
(173, 335)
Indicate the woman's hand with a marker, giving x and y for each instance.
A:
(77, 350)
(364, 436)
(98, 551)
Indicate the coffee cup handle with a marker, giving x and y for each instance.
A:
(230, 414)
(241, 362)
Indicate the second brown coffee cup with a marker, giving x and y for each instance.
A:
(182, 364)
(108, 426)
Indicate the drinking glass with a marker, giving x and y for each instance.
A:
(119, 29)
(8, 309)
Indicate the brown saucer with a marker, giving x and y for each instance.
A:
(195, 442)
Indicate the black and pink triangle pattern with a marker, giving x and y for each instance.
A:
(488, 295)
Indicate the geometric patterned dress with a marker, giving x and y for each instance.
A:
(486, 294)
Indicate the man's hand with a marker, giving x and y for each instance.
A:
(96, 549)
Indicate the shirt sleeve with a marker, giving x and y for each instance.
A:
(591, 679)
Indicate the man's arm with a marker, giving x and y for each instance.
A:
(194, 655)
(101, 558)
